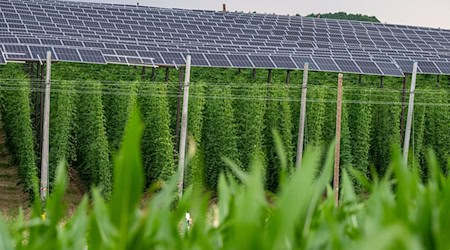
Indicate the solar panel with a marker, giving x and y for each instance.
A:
(9, 40)
(300, 62)
(92, 56)
(157, 58)
(115, 59)
(218, 60)
(444, 67)
(254, 40)
(405, 65)
(67, 54)
(240, 61)
(428, 67)
(369, 68)
(134, 60)
(16, 52)
(199, 60)
(40, 52)
(326, 64)
(173, 58)
(261, 61)
(348, 65)
(283, 62)
(389, 69)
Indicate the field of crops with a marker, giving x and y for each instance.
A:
(399, 212)
(230, 115)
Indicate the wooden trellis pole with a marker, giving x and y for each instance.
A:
(184, 123)
(337, 151)
(410, 114)
(301, 127)
(45, 131)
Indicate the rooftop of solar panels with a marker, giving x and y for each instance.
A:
(151, 36)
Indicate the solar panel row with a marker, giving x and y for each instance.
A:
(234, 18)
(149, 36)
(39, 53)
(147, 44)
(36, 53)
(174, 35)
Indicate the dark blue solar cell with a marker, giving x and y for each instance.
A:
(301, 60)
(283, 62)
(12, 40)
(13, 16)
(91, 56)
(16, 52)
(134, 61)
(326, 64)
(40, 52)
(114, 46)
(67, 54)
(51, 42)
(444, 67)
(218, 60)
(27, 40)
(198, 60)
(261, 61)
(171, 58)
(91, 24)
(115, 59)
(123, 26)
(347, 65)
(389, 69)
(240, 61)
(75, 22)
(369, 68)
(405, 65)
(88, 44)
(428, 67)
(72, 43)
(123, 52)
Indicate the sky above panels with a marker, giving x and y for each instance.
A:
(427, 13)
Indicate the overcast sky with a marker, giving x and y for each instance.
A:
(428, 13)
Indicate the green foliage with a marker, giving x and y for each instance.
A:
(16, 113)
(118, 100)
(370, 118)
(62, 110)
(295, 94)
(195, 167)
(128, 183)
(93, 158)
(346, 157)
(386, 126)
(345, 16)
(329, 99)
(157, 145)
(315, 116)
(219, 132)
(329, 123)
(249, 110)
(360, 123)
(277, 117)
(399, 212)
(437, 129)
(417, 145)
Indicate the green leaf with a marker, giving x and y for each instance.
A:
(128, 179)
